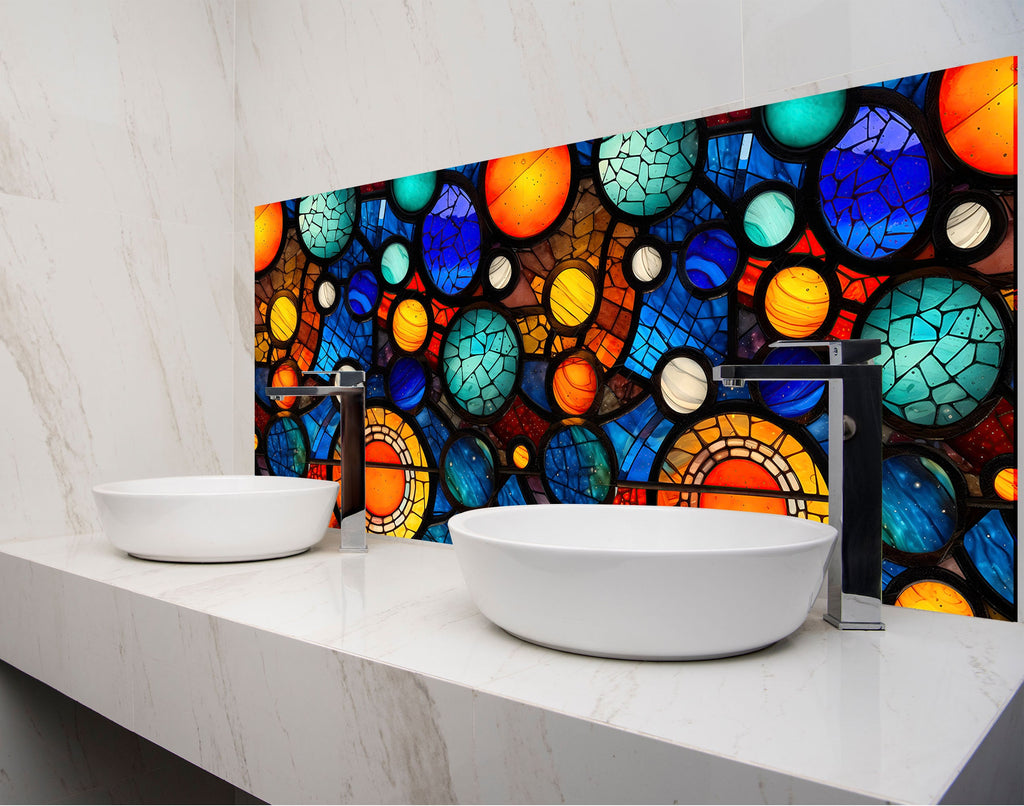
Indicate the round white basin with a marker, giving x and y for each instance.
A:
(646, 583)
(209, 519)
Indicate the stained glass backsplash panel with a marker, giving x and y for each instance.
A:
(542, 327)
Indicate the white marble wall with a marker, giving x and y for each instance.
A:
(116, 307)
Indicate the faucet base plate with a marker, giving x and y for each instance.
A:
(853, 625)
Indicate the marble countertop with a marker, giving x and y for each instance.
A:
(333, 677)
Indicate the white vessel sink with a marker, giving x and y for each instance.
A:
(645, 583)
(210, 519)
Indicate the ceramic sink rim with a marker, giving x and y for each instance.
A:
(540, 573)
(816, 533)
(267, 485)
(215, 519)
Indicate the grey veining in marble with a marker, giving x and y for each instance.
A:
(116, 184)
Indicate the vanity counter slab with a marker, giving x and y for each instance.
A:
(329, 677)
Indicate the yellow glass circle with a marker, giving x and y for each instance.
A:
(1005, 483)
(796, 301)
(284, 318)
(410, 325)
(521, 456)
(932, 595)
(572, 297)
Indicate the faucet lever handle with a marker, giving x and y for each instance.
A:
(841, 351)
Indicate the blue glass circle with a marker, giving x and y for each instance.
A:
(577, 466)
(480, 361)
(451, 241)
(286, 448)
(326, 222)
(469, 471)
(990, 545)
(875, 184)
(407, 383)
(362, 292)
(792, 398)
(942, 349)
(711, 259)
(918, 505)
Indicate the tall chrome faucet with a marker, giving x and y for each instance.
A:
(854, 469)
(349, 387)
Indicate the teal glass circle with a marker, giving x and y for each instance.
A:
(480, 361)
(412, 193)
(394, 262)
(645, 172)
(943, 344)
(326, 222)
(769, 218)
(805, 122)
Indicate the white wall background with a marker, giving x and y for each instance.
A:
(116, 314)
(136, 137)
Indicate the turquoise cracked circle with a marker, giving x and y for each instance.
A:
(480, 361)
(645, 172)
(326, 222)
(943, 344)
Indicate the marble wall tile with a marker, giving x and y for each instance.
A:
(120, 105)
(822, 45)
(116, 242)
(389, 88)
(115, 335)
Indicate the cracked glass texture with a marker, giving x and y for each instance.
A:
(326, 221)
(875, 184)
(645, 172)
(942, 349)
(480, 358)
(451, 241)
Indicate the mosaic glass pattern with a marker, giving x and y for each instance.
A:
(542, 327)
(644, 173)
(875, 184)
(451, 241)
(942, 348)
(480, 359)
(326, 221)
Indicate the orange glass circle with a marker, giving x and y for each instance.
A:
(521, 456)
(385, 487)
(932, 595)
(526, 192)
(574, 385)
(285, 375)
(269, 229)
(745, 473)
(978, 114)
(1005, 484)
(410, 325)
(796, 301)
